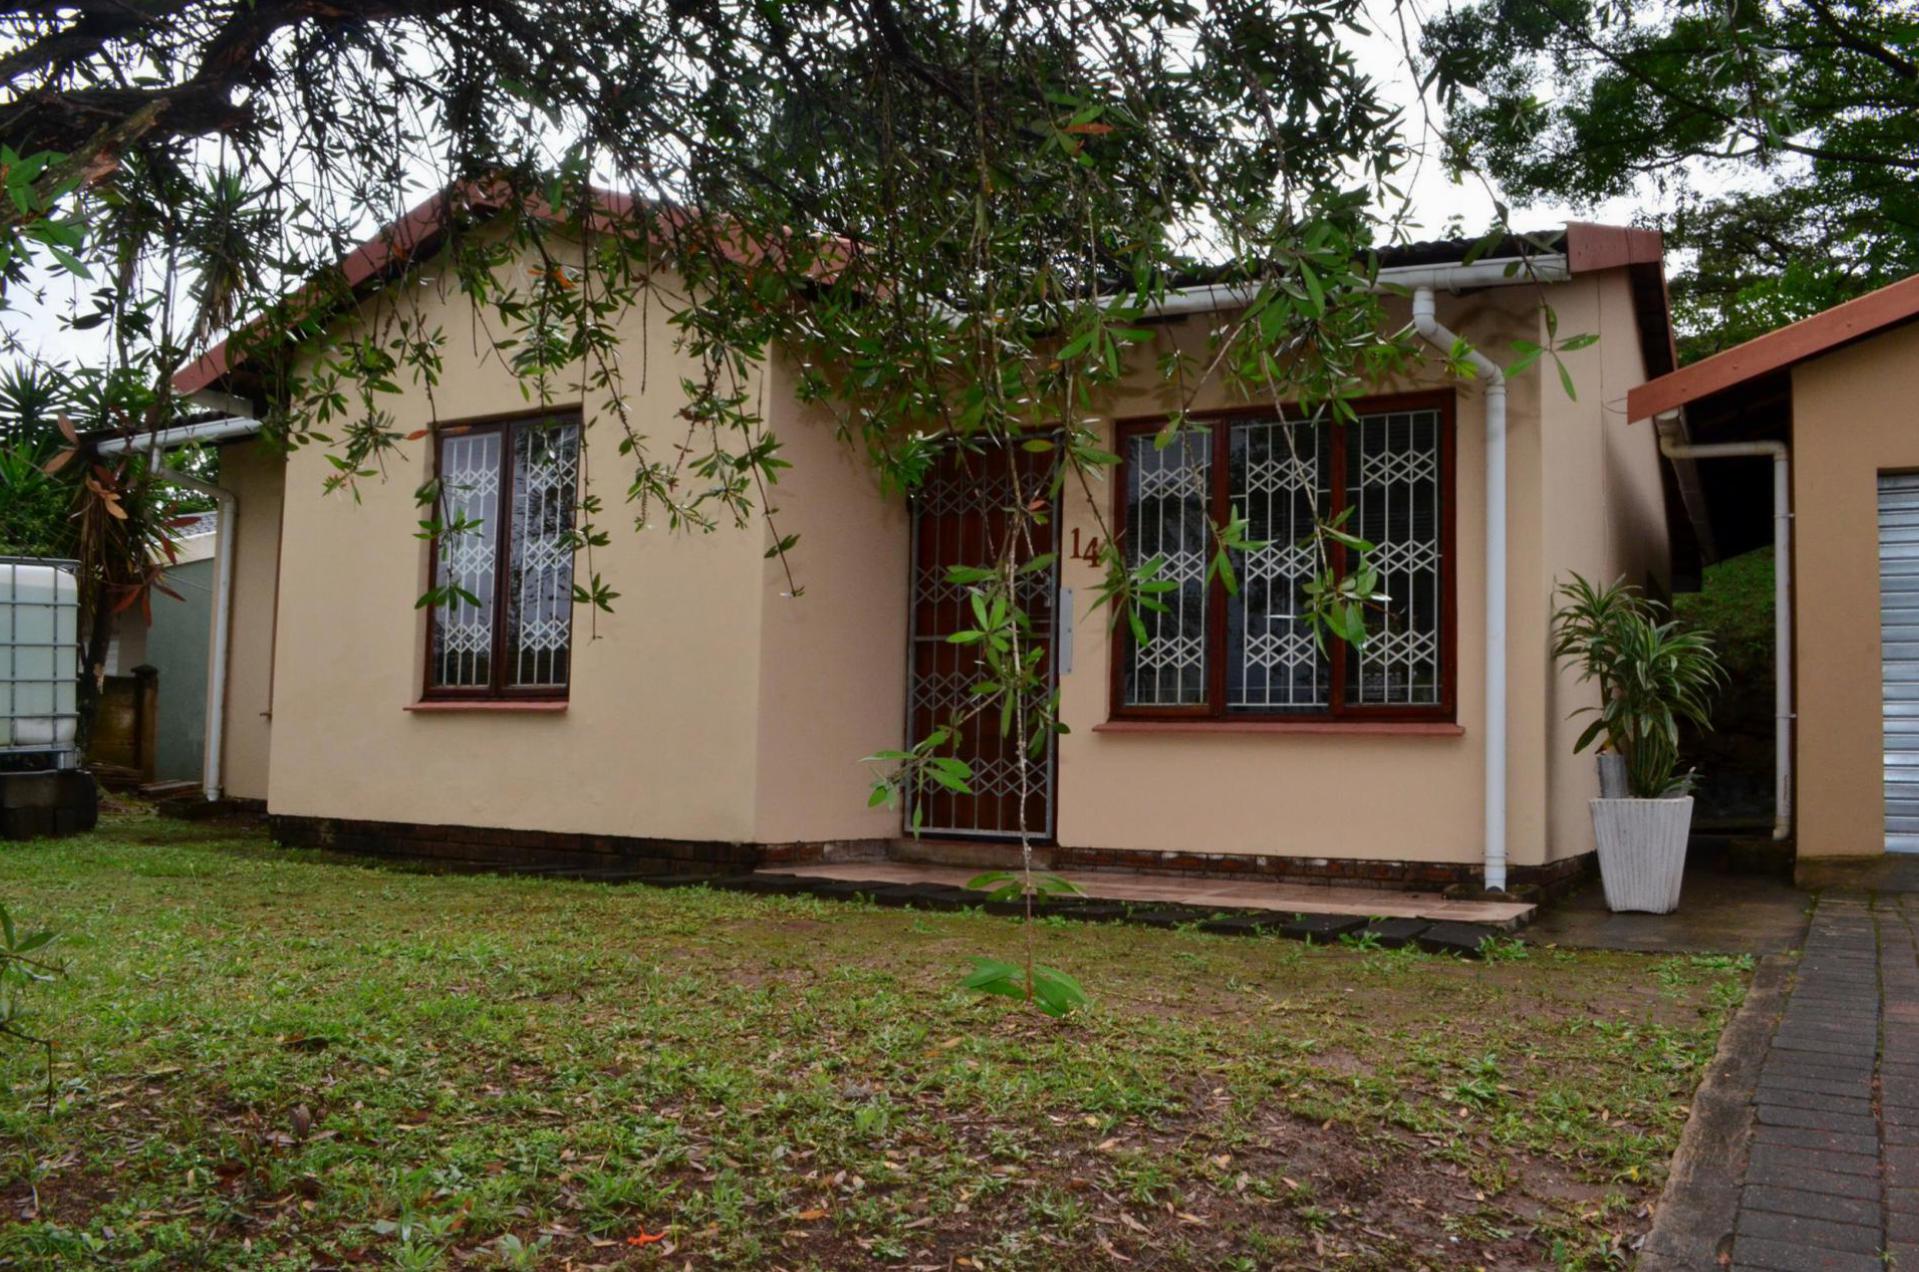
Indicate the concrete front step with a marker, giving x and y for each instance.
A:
(894, 884)
(1211, 895)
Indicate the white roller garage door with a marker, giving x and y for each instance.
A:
(1899, 654)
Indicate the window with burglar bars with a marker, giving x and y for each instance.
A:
(1210, 652)
(503, 559)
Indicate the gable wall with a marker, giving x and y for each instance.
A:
(1604, 518)
(659, 736)
(1853, 417)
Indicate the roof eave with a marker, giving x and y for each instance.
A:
(1778, 350)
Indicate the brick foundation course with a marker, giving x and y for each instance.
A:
(559, 852)
(1552, 879)
(545, 851)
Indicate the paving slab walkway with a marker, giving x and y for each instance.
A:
(1721, 911)
(1822, 1169)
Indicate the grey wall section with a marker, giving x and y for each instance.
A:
(177, 647)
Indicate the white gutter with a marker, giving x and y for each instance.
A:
(1426, 323)
(221, 403)
(1503, 272)
(212, 770)
(1673, 446)
(215, 430)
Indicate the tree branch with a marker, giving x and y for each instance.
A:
(1851, 39)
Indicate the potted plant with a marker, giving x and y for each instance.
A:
(1653, 675)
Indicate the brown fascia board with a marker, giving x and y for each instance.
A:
(1777, 350)
(1590, 246)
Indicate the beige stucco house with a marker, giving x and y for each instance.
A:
(714, 717)
(1830, 405)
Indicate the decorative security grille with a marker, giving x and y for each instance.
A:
(1166, 517)
(1393, 486)
(1281, 483)
(962, 515)
(539, 614)
(1379, 477)
(463, 621)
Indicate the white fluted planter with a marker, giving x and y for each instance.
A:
(1612, 776)
(1642, 851)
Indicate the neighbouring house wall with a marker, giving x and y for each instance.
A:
(1338, 792)
(832, 661)
(1852, 418)
(126, 644)
(177, 645)
(660, 734)
(174, 644)
(256, 474)
(1604, 516)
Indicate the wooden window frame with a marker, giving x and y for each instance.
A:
(1214, 710)
(497, 690)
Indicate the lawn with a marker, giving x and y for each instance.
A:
(273, 1058)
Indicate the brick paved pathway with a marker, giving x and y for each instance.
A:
(1832, 1180)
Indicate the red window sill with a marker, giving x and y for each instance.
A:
(1388, 728)
(488, 704)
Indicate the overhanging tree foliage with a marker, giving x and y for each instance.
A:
(1785, 133)
(953, 215)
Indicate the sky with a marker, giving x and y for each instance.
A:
(1440, 204)
(1435, 198)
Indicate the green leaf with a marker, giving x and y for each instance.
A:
(995, 976)
(1315, 294)
(1056, 993)
(1528, 354)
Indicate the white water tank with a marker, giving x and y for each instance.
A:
(39, 659)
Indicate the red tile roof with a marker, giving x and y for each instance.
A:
(418, 233)
(1776, 350)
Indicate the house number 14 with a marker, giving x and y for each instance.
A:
(1088, 551)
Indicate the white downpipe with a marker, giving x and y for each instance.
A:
(1426, 323)
(1781, 456)
(212, 767)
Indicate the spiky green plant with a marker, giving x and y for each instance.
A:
(1653, 672)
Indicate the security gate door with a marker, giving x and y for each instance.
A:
(962, 516)
(1899, 654)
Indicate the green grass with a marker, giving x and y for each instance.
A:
(271, 1058)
